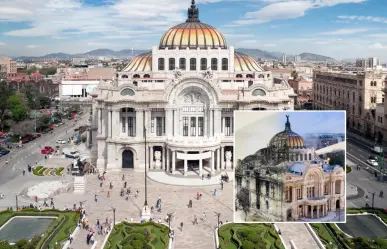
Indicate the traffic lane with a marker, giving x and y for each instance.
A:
(360, 144)
(359, 152)
(366, 181)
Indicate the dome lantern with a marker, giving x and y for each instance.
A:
(193, 13)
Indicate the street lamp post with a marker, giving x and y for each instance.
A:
(146, 171)
(17, 203)
(218, 215)
(114, 217)
(170, 215)
(373, 199)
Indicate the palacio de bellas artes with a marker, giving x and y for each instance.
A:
(171, 109)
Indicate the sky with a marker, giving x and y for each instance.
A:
(254, 130)
(341, 29)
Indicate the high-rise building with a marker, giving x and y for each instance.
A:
(373, 62)
(297, 58)
(8, 65)
(284, 59)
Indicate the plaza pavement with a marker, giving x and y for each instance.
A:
(174, 199)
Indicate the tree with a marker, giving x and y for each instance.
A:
(44, 101)
(32, 70)
(243, 198)
(48, 71)
(19, 113)
(44, 120)
(31, 93)
(5, 92)
(294, 74)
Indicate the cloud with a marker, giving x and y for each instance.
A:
(32, 46)
(287, 9)
(364, 18)
(2, 44)
(269, 45)
(377, 46)
(383, 35)
(346, 31)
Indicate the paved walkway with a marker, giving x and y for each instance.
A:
(199, 236)
(162, 177)
(299, 234)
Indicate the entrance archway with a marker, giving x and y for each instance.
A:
(127, 159)
(289, 215)
(338, 204)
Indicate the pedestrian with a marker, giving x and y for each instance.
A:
(221, 184)
(197, 195)
(190, 204)
(124, 184)
(95, 198)
(195, 220)
(108, 195)
(181, 226)
(123, 177)
(204, 216)
(24, 172)
(214, 193)
(100, 184)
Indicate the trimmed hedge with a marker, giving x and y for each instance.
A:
(249, 236)
(37, 171)
(58, 172)
(132, 235)
(71, 220)
(348, 169)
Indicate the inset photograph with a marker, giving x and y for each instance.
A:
(290, 166)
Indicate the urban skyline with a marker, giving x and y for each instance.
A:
(339, 29)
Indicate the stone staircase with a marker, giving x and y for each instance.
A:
(80, 184)
(299, 234)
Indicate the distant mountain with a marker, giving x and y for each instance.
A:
(315, 57)
(257, 53)
(127, 53)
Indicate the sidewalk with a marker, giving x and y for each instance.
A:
(367, 141)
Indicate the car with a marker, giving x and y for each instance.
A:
(47, 150)
(4, 152)
(373, 157)
(60, 141)
(372, 162)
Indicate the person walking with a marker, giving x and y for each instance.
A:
(181, 226)
(108, 194)
(214, 193)
(221, 184)
(204, 216)
(195, 221)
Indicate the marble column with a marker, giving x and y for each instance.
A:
(293, 194)
(167, 160)
(200, 165)
(318, 211)
(169, 122)
(173, 161)
(185, 164)
(110, 125)
(217, 121)
(99, 120)
(218, 159)
(139, 123)
(210, 124)
(212, 161)
(222, 163)
(163, 163)
(341, 187)
(205, 129)
(151, 157)
(116, 123)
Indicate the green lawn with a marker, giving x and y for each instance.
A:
(138, 236)
(249, 236)
(64, 225)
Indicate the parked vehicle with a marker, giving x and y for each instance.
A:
(372, 162)
(61, 141)
(47, 150)
(4, 152)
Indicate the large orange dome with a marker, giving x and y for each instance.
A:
(193, 34)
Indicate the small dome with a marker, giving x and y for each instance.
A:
(140, 63)
(244, 63)
(297, 168)
(193, 34)
(287, 139)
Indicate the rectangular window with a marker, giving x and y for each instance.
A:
(200, 126)
(161, 65)
(185, 126)
(193, 126)
(123, 121)
(232, 126)
(224, 64)
(227, 126)
(214, 64)
(182, 65)
(152, 125)
(131, 131)
(192, 64)
(172, 65)
(159, 126)
(203, 64)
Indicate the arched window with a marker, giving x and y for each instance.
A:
(310, 156)
(161, 65)
(214, 64)
(203, 64)
(182, 64)
(125, 76)
(147, 76)
(250, 76)
(136, 76)
(224, 64)
(172, 65)
(127, 92)
(192, 64)
(135, 83)
(259, 92)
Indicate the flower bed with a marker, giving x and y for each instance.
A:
(249, 236)
(42, 171)
(63, 226)
(138, 236)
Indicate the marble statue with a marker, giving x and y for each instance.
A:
(208, 74)
(157, 159)
(228, 160)
(177, 73)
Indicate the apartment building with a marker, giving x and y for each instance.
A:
(7, 65)
(358, 93)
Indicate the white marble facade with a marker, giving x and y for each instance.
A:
(184, 96)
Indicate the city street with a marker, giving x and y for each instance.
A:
(12, 180)
(358, 153)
